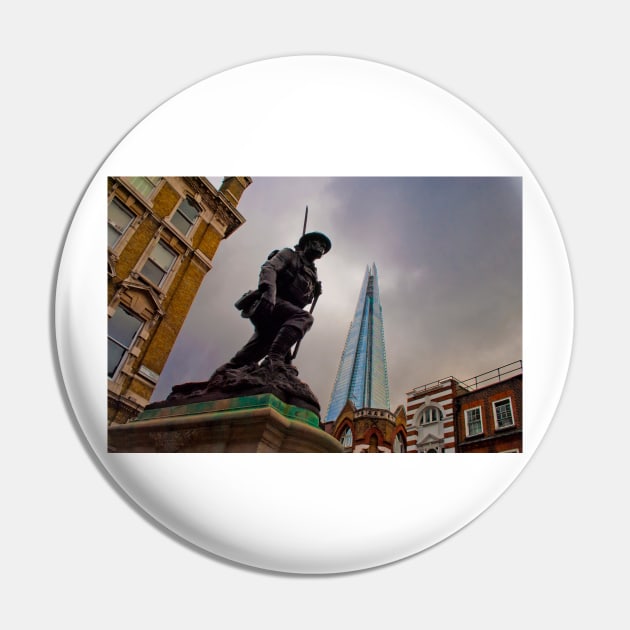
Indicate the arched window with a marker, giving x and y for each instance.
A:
(399, 444)
(373, 447)
(430, 414)
(346, 437)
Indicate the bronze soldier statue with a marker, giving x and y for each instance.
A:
(287, 283)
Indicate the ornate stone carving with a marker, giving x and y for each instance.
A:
(222, 213)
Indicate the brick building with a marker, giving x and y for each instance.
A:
(163, 233)
(369, 430)
(482, 414)
(430, 421)
(489, 419)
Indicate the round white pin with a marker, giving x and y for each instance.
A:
(435, 222)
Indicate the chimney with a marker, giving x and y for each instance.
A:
(233, 187)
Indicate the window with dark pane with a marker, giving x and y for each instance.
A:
(430, 414)
(119, 219)
(473, 421)
(144, 185)
(158, 264)
(399, 444)
(346, 438)
(503, 411)
(122, 330)
(185, 216)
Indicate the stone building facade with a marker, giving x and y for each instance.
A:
(430, 419)
(163, 233)
(369, 430)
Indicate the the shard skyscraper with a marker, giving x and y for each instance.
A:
(362, 374)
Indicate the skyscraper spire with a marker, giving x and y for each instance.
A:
(362, 374)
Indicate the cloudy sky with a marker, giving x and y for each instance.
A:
(449, 258)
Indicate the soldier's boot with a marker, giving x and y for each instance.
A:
(248, 356)
(279, 353)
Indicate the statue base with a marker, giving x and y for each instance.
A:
(280, 380)
(248, 424)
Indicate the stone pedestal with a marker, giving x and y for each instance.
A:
(250, 424)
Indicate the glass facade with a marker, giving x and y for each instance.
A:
(362, 374)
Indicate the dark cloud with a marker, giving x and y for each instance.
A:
(449, 256)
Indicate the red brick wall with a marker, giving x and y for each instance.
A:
(493, 439)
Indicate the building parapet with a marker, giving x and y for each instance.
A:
(375, 413)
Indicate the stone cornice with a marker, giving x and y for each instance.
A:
(226, 213)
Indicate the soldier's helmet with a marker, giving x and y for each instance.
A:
(311, 236)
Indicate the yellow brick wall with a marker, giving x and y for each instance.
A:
(207, 240)
(135, 247)
(165, 200)
(181, 291)
(185, 287)
(138, 387)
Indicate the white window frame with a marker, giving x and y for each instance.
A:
(433, 411)
(507, 399)
(167, 272)
(467, 423)
(127, 349)
(120, 229)
(153, 181)
(177, 211)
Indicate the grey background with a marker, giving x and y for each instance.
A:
(552, 78)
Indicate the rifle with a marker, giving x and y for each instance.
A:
(315, 298)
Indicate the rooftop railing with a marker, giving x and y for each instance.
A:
(494, 376)
(474, 382)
